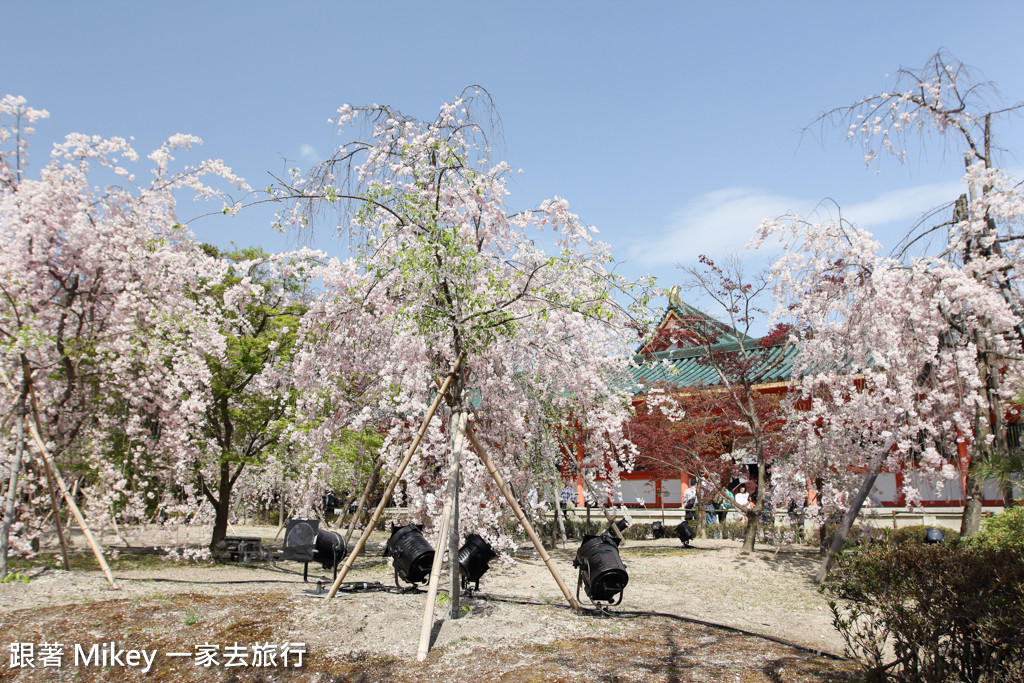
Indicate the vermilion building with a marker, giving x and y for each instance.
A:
(673, 360)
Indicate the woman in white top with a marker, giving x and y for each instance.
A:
(742, 497)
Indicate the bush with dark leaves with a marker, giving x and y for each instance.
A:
(932, 613)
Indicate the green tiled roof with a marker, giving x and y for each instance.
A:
(684, 367)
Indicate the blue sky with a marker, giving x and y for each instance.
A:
(671, 127)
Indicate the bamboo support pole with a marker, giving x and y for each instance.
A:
(54, 505)
(57, 523)
(443, 534)
(518, 511)
(52, 467)
(361, 543)
(70, 501)
(370, 483)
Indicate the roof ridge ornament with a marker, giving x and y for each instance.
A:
(673, 297)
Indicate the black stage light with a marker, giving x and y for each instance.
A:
(412, 553)
(934, 535)
(305, 541)
(602, 573)
(685, 533)
(657, 530)
(474, 557)
(329, 549)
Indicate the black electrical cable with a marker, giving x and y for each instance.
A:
(163, 580)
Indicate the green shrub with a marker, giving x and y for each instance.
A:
(734, 530)
(598, 525)
(914, 535)
(1005, 530)
(948, 612)
(638, 532)
(573, 528)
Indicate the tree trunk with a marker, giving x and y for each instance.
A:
(559, 516)
(754, 516)
(851, 515)
(974, 494)
(554, 509)
(280, 512)
(222, 505)
(444, 535)
(750, 533)
(12, 485)
(987, 422)
(702, 515)
(604, 510)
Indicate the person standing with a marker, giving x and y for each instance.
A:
(567, 495)
(711, 518)
(690, 502)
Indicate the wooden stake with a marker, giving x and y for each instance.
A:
(518, 511)
(443, 535)
(394, 479)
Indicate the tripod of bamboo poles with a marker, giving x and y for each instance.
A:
(449, 513)
(53, 476)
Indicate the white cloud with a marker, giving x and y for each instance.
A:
(308, 152)
(721, 222)
(901, 207)
(716, 223)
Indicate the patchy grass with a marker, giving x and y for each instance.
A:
(649, 551)
(84, 560)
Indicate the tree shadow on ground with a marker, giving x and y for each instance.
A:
(803, 561)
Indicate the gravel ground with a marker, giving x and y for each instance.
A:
(518, 607)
